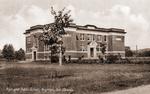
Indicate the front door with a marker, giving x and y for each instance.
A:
(91, 52)
(34, 55)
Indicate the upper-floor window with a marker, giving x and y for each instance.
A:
(99, 38)
(94, 37)
(81, 36)
(89, 37)
(119, 38)
(37, 42)
(46, 47)
(28, 40)
(105, 38)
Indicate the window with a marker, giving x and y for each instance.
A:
(105, 38)
(94, 37)
(77, 37)
(81, 36)
(82, 47)
(98, 48)
(99, 38)
(28, 50)
(119, 38)
(28, 40)
(36, 43)
(47, 47)
(89, 37)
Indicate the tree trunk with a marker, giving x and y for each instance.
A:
(50, 58)
(60, 56)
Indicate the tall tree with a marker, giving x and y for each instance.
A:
(20, 54)
(5, 50)
(128, 53)
(8, 52)
(53, 32)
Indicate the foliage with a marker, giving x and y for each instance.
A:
(20, 54)
(103, 48)
(8, 52)
(56, 49)
(112, 58)
(53, 32)
(144, 54)
(128, 53)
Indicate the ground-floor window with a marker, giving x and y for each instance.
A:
(83, 47)
(98, 48)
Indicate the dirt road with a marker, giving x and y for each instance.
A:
(137, 90)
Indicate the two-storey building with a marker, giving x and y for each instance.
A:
(80, 41)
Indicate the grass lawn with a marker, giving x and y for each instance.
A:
(31, 78)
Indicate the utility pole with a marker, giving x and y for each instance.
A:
(136, 50)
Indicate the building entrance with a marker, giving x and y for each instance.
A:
(91, 52)
(34, 55)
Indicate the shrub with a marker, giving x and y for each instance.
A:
(20, 54)
(54, 59)
(112, 58)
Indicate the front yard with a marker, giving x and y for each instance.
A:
(32, 78)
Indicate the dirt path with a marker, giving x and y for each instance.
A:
(137, 90)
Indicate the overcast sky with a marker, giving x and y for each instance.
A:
(132, 15)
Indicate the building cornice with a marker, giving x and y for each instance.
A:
(75, 27)
(111, 30)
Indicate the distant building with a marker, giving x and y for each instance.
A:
(79, 41)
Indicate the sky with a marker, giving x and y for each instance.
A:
(16, 16)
